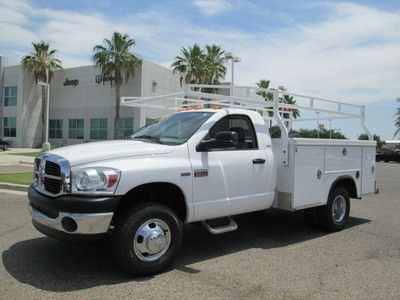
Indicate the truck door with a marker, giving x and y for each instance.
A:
(228, 182)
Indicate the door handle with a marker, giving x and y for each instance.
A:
(259, 161)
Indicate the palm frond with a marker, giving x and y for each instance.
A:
(41, 62)
(264, 84)
(115, 59)
(200, 66)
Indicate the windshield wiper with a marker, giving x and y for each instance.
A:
(148, 137)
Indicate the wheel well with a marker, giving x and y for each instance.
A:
(162, 192)
(348, 183)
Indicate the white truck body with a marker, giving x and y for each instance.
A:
(197, 184)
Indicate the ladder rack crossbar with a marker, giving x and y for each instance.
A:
(126, 100)
(325, 119)
(227, 98)
(330, 111)
(323, 100)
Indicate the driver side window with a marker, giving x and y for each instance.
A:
(242, 125)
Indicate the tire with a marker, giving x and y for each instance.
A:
(339, 202)
(129, 238)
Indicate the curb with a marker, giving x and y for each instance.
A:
(14, 187)
(22, 162)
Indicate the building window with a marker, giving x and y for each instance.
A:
(10, 127)
(98, 129)
(125, 128)
(76, 129)
(149, 121)
(10, 96)
(55, 129)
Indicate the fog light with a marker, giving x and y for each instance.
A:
(69, 224)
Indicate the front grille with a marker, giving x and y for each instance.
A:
(52, 185)
(52, 168)
(52, 175)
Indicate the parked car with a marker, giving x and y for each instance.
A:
(4, 145)
(388, 155)
(197, 165)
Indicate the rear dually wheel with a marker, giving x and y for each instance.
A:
(334, 215)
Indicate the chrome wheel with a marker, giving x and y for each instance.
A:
(152, 240)
(339, 208)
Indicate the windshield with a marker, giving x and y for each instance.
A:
(174, 130)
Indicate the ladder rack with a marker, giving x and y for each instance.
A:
(247, 97)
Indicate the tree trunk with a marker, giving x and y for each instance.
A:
(117, 108)
(44, 112)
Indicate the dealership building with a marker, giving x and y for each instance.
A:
(82, 104)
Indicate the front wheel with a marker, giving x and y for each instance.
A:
(147, 238)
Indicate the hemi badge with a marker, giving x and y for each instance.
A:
(201, 173)
(185, 174)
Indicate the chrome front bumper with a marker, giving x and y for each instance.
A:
(74, 223)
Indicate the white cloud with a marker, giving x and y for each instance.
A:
(19, 36)
(353, 54)
(12, 16)
(213, 7)
(354, 51)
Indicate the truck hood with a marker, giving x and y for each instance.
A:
(98, 151)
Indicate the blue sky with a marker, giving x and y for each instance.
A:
(345, 50)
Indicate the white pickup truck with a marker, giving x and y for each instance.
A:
(210, 159)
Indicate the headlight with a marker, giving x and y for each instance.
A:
(96, 180)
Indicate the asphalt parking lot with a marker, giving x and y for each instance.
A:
(273, 254)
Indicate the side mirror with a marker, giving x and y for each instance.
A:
(224, 140)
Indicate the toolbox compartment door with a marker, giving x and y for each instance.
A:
(308, 176)
(368, 170)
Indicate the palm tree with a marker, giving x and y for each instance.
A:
(190, 64)
(42, 64)
(116, 63)
(397, 121)
(264, 84)
(200, 66)
(290, 100)
(214, 64)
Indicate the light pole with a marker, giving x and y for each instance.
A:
(234, 59)
(46, 144)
